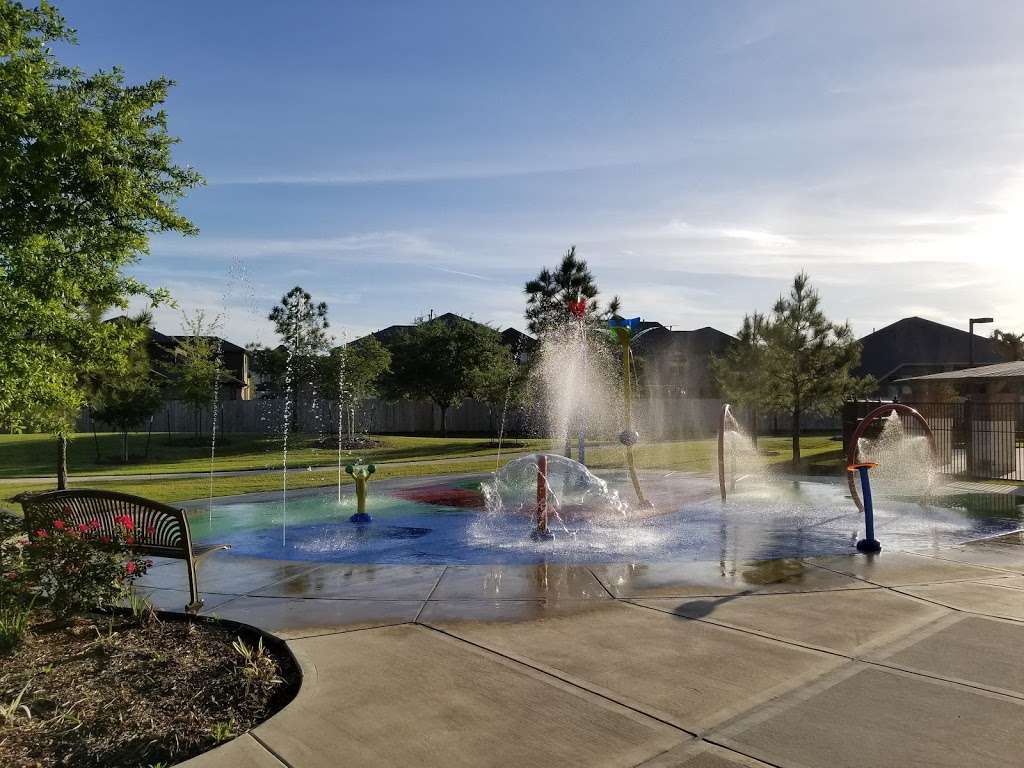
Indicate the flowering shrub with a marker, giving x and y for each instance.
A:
(78, 568)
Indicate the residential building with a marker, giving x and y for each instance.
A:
(237, 384)
(915, 346)
(678, 363)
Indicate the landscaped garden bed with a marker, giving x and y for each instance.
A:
(134, 690)
(90, 675)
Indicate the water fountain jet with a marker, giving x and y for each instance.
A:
(855, 447)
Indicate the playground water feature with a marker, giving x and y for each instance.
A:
(905, 464)
(549, 508)
(447, 521)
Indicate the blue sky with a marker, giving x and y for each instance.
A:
(394, 158)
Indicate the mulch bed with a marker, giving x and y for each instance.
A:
(111, 691)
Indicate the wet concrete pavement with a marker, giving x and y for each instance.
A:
(895, 660)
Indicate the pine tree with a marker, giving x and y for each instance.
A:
(796, 360)
(302, 326)
(741, 371)
(549, 294)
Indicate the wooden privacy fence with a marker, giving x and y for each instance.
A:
(658, 418)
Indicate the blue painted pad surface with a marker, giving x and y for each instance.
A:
(786, 519)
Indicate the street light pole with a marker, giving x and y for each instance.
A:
(973, 322)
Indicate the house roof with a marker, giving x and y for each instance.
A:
(700, 341)
(164, 339)
(920, 342)
(513, 337)
(391, 333)
(225, 345)
(1014, 370)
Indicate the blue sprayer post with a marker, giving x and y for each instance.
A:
(869, 543)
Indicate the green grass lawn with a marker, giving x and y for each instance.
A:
(23, 455)
(34, 455)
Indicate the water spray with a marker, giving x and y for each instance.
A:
(858, 433)
(578, 310)
(722, 424)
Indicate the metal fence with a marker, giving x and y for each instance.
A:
(977, 439)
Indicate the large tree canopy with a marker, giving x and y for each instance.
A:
(446, 361)
(86, 175)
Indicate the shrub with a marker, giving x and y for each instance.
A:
(14, 620)
(258, 668)
(81, 568)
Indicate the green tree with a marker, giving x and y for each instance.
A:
(740, 372)
(351, 373)
(197, 367)
(1010, 345)
(129, 396)
(302, 326)
(86, 174)
(794, 359)
(807, 358)
(269, 367)
(444, 361)
(548, 295)
(498, 381)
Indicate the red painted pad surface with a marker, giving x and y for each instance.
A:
(443, 496)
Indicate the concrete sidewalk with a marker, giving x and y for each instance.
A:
(894, 660)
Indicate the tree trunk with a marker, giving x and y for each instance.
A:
(444, 420)
(124, 447)
(796, 438)
(95, 437)
(62, 462)
(149, 436)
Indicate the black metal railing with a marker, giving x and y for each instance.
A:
(976, 439)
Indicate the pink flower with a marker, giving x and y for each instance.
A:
(94, 523)
(130, 567)
(151, 530)
(130, 540)
(58, 524)
(83, 528)
(105, 539)
(41, 534)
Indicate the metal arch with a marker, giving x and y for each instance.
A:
(858, 433)
(721, 448)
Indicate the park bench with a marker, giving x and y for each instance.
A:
(162, 530)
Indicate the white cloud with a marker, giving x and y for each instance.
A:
(760, 238)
